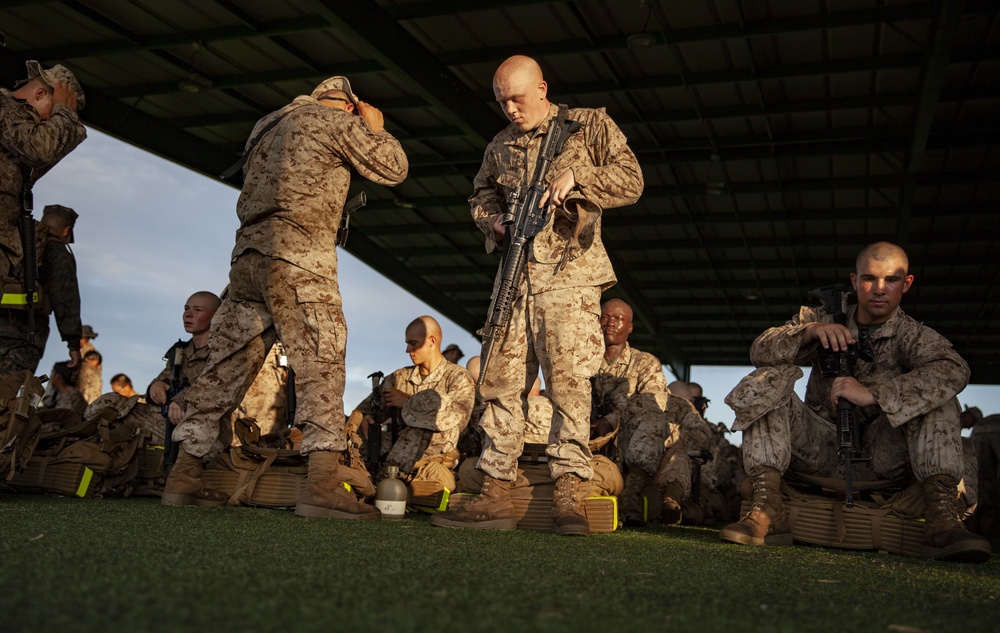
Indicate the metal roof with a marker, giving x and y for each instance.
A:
(776, 137)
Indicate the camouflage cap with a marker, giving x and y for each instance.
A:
(88, 332)
(335, 83)
(67, 214)
(57, 74)
(453, 348)
(423, 410)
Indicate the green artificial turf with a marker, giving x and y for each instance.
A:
(133, 565)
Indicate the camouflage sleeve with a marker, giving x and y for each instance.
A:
(377, 156)
(39, 143)
(64, 293)
(782, 345)
(458, 399)
(615, 178)
(695, 431)
(487, 201)
(367, 406)
(936, 374)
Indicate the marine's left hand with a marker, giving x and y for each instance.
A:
(393, 397)
(852, 391)
(556, 194)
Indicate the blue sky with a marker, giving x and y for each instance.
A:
(151, 233)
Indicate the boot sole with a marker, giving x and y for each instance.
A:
(177, 499)
(319, 512)
(958, 553)
(571, 530)
(745, 539)
(494, 524)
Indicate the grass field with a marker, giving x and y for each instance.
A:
(133, 565)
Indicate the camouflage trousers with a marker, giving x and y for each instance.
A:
(643, 439)
(16, 353)
(795, 436)
(675, 468)
(558, 332)
(272, 299)
(606, 481)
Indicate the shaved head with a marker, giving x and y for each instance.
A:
(682, 389)
(427, 324)
(209, 300)
(882, 252)
(521, 91)
(611, 304)
(423, 343)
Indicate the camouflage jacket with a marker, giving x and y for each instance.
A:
(607, 175)
(630, 385)
(296, 181)
(60, 295)
(915, 369)
(193, 363)
(449, 412)
(27, 139)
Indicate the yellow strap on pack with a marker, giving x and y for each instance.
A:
(88, 474)
(445, 494)
(17, 298)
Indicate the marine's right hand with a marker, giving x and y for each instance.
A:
(372, 116)
(832, 336)
(158, 391)
(62, 94)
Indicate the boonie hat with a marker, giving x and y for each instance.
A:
(63, 212)
(54, 75)
(335, 83)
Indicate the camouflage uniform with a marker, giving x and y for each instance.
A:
(60, 295)
(90, 383)
(266, 402)
(554, 323)
(432, 420)
(27, 139)
(193, 362)
(695, 435)
(914, 378)
(283, 280)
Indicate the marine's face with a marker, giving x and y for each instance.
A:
(880, 285)
(418, 345)
(616, 323)
(198, 315)
(522, 99)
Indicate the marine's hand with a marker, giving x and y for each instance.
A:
(851, 390)
(558, 190)
(158, 392)
(371, 115)
(365, 423)
(831, 336)
(62, 94)
(600, 428)
(499, 230)
(175, 413)
(393, 397)
(74, 359)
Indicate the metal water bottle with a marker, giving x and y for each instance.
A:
(390, 496)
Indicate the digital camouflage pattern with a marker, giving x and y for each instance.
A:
(266, 402)
(283, 280)
(27, 139)
(193, 362)
(914, 378)
(433, 418)
(60, 295)
(555, 322)
(89, 382)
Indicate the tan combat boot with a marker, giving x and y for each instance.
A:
(947, 537)
(184, 486)
(767, 521)
(633, 504)
(568, 511)
(671, 513)
(491, 509)
(325, 496)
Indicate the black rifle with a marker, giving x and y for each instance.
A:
(524, 220)
(841, 364)
(176, 385)
(350, 207)
(29, 248)
(373, 456)
(291, 402)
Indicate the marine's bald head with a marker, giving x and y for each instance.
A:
(521, 91)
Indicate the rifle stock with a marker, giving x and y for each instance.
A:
(350, 207)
